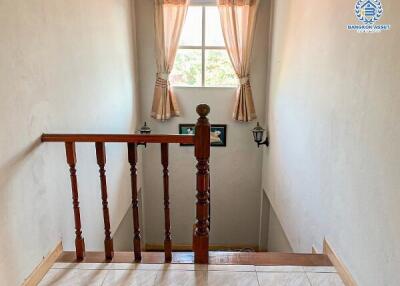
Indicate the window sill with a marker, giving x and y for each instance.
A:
(204, 87)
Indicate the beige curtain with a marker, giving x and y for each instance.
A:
(169, 18)
(238, 22)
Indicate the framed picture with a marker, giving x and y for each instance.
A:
(218, 133)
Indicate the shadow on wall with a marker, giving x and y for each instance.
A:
(123, 236)
(9, 171)
(272, 236)
(12, 165)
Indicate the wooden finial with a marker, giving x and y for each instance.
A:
(203, 110)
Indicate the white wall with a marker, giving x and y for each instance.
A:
(66, 66)
(333, 166)
(277, 239)
(264, 222)
(272, 237)
(235, 170)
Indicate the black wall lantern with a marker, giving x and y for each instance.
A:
(144, 130)
(258, 133)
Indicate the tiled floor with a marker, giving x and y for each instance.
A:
(86, 274)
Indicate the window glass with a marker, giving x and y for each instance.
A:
(202, 59)
(219, 71)
(214, 36)
(187, 68)
(192, 29)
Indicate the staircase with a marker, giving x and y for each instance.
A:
(200, 247)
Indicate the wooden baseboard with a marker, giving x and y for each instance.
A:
(341, 268)
(314, 250)
(215, 258)
(40, 271)
(186, 247)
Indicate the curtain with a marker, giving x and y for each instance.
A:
(238, 23)
(169, 19)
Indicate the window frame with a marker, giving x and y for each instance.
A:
(204, 4)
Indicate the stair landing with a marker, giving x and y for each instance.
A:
(223, 272)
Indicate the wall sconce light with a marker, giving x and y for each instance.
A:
(258, 133)
(144, 130)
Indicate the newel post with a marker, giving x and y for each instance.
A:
(202, 154)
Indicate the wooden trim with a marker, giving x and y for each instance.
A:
(187, 247)
(314, 250)
(341, 268)
(40, 271)
(119, 138)
(215, 258)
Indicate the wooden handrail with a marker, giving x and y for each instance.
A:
(119, 138)
(201, 142)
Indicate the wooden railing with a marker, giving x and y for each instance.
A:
(201, 141)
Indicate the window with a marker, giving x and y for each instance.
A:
(202, 59)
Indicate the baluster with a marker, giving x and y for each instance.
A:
(167, 240)
(101, 161)
(202, 153)
(132, 158)
(71, 160)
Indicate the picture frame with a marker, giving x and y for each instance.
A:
(218, 133)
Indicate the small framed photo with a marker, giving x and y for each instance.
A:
(218, 135)
(186, 129)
